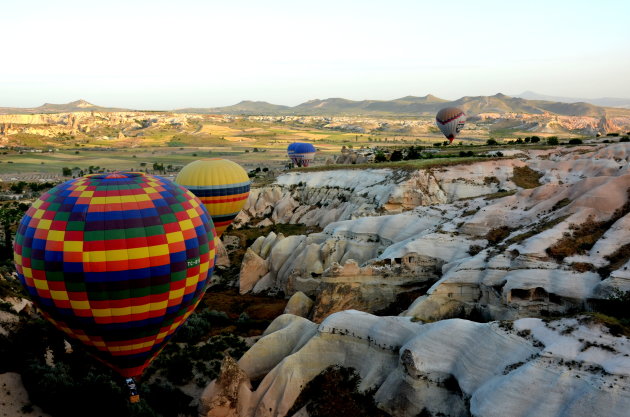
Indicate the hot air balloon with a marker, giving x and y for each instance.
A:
(221, 185)
(301, 154)
(117, 262)
(450, 121)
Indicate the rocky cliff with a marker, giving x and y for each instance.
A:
(554, 241)
(452, 367)
(481, 252)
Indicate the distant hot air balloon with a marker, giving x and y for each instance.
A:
(116, 261)
(221, 185)
(450, 121)
(301, 154)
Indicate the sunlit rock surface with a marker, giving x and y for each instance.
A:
(454, 367)
(484, 254)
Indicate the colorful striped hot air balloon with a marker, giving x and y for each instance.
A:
(220, 184)
(117, 262)
(450, 121)
(301, 154)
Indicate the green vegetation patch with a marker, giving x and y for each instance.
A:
(411, 165)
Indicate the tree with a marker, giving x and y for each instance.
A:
(66, 172)
(396, 156)
(379, 157)
(535, 139)
(575, 141)
(491, 142)
(412, 153)
(552, 140)
(18, 187)
(10, 215)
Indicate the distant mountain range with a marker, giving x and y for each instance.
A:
(75, 106)
(410, 105)
(405, 106)
(604, 102)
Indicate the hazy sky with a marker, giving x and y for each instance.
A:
(179, 53)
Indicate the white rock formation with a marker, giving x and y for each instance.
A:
(14, 398)
(299, 305)
(320, 198)
(454, 367)
(513, 277)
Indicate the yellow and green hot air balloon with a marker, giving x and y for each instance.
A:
(220, 184)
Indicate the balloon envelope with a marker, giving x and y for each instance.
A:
(116, 261)
(450, 121)
(221, 185)
(301, 154)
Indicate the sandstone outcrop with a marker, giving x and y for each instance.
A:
(576, 366)
(299, 305)
(321, 198)
(485, 255)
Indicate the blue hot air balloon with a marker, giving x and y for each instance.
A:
(301, 154)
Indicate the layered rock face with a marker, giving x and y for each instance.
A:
(502, 257)
(452, 367)
(559, 247)
(321, 198)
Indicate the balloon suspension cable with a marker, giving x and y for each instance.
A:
(134, 397)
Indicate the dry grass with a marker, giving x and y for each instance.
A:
(538, 228)
(584, 236)
(616, 260)
(526, 177)
(497, 234)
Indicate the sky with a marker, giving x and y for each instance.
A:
(165, 54)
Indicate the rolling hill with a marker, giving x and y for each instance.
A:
(413, 106)
(604, 101)
(74, 106)
(404, 106)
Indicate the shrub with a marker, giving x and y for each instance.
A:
(335, 392)
(575, 141)
(526, 177)
(552, 140)
(625, 139)
(497, 234)
(474, 249)
(491, 142)
(396, 156)
(535, 139)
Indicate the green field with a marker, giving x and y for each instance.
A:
(251, 143)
